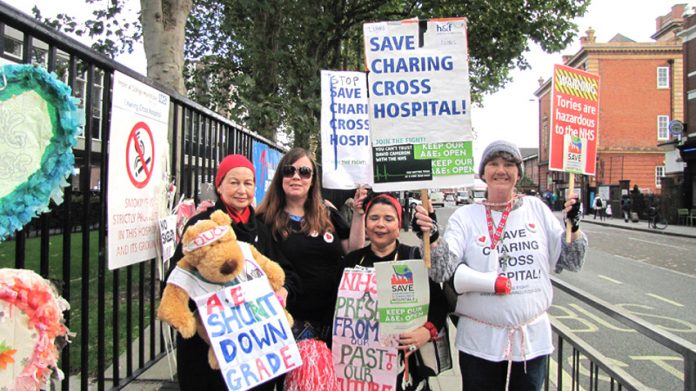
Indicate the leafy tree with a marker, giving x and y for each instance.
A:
(279, 47)
(259, 61)
(161, 28)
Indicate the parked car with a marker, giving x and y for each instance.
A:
(449, 200)
(463, 197)
(437, 199)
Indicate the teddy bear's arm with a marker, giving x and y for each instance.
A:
(174, 310)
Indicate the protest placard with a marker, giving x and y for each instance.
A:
(403, 295)
(362, 360)
(249, 333)
(419, 104)
(345, 130)
(574, 121)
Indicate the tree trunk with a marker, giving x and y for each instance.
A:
(164, 23)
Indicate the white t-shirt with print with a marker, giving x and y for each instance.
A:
(532, 239)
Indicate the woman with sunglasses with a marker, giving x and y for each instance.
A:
(313, 238)
(235, 185)
(382, 227)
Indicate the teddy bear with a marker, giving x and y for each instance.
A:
(212, 251)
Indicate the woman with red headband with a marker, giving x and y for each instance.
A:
(235, 185)
(382, 227)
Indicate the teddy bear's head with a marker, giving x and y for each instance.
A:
(210, 246)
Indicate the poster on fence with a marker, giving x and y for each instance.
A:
(138, 151)
(574, 121)
(345, 130)
(265, 161)
(419, 104)
(403, 295)
(361, 360)
(249, 333)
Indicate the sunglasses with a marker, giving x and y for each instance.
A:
(304, 171)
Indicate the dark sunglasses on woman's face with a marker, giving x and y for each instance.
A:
(304, 171)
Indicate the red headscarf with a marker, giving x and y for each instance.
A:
(230, 162)
(395, 203)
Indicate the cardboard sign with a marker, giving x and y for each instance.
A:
(345, 130)
(574, 121)
(419, 104)
(361, 361)
(249, 333)
(403, 295)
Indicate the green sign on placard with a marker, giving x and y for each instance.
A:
(447, 158)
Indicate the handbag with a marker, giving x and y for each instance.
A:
(436, 354)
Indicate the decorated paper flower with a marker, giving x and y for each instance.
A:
(6, 355)
(31, 318)
(39, 124)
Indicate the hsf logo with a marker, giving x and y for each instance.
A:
(444, 27)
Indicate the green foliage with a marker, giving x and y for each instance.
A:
(259, 61)
(278, 48)
(526, 181)
(111, 32)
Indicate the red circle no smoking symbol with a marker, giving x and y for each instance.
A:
(140, 155)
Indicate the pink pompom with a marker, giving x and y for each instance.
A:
(317, 372)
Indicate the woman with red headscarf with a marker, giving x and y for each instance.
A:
(382, 227)
(235, 185)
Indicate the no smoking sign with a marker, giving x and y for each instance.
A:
(140, 155)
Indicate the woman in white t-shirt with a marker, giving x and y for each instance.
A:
(499, 255)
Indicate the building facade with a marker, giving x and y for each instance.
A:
(641, 91)
(687, 141)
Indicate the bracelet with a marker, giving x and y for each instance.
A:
(432, 329)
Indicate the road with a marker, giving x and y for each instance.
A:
(648, 275)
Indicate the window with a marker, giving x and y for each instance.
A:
(662, 77)
(13, 48)
(80, 92)
(662, 127)
(659, 173)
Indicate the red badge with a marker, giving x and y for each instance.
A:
(328, 237)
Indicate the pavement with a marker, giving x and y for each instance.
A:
(159, 376)
(672, 230)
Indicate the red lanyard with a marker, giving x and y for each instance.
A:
(501, 225)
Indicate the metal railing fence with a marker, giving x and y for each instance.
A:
(113, 312)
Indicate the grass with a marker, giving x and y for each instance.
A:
(55, 274)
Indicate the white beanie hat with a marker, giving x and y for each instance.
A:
(501, 146)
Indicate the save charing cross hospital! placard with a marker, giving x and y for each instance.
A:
(574, 121)
(419, 104)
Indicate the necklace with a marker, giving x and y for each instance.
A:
(506, 203)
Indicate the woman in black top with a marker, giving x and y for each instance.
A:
(313, 237)
(235, 185)
(382, 226)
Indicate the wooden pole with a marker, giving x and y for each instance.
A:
(571, 192)
(426, 238)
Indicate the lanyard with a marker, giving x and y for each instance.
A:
(501, 225)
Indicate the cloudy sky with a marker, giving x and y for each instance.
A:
(512, 112)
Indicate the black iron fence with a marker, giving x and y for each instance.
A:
(571, 348)
(113, 312)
